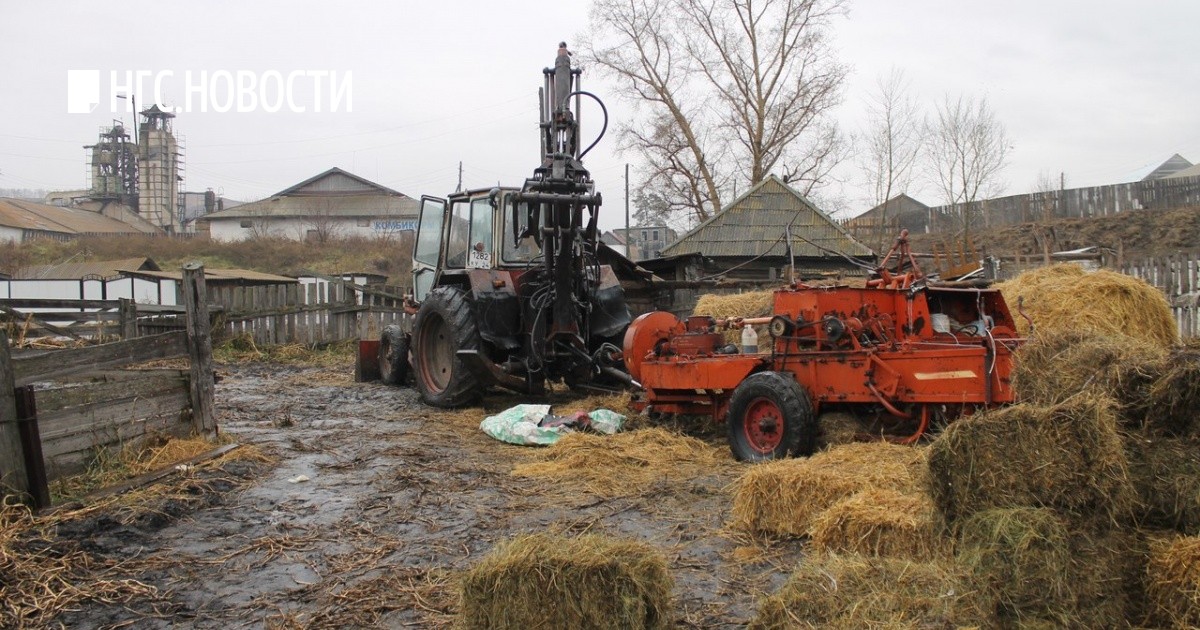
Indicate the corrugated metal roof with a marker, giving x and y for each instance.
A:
(29, 215)
(374, 205)
(1173, 165)
(1191, 171)
(78, 270)
(755, 224)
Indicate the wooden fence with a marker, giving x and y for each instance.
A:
(80, 404)
(1178, 276)
(311, 314)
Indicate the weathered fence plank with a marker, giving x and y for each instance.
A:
(12, 457)
(32, 367)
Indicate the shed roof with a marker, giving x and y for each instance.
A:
(218, 275)
(30, 215)
(79, 270)
(755, 224)
(1191, 171)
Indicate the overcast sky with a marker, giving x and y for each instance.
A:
(1102, 91)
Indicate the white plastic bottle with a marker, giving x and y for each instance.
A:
(749, 340)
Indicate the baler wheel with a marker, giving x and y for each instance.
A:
(770, 416)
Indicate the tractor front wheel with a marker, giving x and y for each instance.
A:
(443, 326)
(770, 417)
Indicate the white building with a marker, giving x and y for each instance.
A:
(334, 204)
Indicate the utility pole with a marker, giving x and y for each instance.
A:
(628, 251)
(458, 188)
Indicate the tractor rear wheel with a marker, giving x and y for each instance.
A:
(770, 417)
(442, 327)
(393, 356)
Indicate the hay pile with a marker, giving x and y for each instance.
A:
(851, 592)
(1166, 477)
(625, 463)
(1055, 367)
(785, 496)
(1175, 397)
(1067, 456)
(552, 581)
(1173, 587)
(1064, 298)
(750, 304)
(879, 522)
(837, 428)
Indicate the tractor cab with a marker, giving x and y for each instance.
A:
(469, 230)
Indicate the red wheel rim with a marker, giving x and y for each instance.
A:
(763, 425)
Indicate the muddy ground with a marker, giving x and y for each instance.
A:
(398, 500)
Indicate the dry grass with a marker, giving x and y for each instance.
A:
(624, 464)
(589, 581)
(1173, 587)
(40, 580)
(114, 466)
(1063, 299)
(851, 592)
(1067, 456)
(784, 497)
(749, 304)
(880, 522)
(242, 349)
(837, 428)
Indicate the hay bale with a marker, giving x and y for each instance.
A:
(625, 463)
(879, 522)
(749, 304)
(1173, 584)
(1067, 456)
(1166, 478)
(784, 496)
(852, 592)
(1175, 396)
(1064, 298)
(554, 581)
(1019, 561)
(1055, 367)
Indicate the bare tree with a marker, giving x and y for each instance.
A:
(323, 225)
(966, 148)
(728, 91)
(891, 143)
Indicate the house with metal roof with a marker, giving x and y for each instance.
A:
(881, 224)
(22, 220)
(330, 205)
(748, 239)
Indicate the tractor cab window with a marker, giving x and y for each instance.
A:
(525, 250)
(460, 226)
(429, 236)
(480, 254)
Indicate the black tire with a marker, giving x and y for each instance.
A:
(393, 356)
(443, 326)
(770, 417)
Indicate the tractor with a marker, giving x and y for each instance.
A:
(509, 288)
(902, 353)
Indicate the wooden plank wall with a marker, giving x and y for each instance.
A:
(80, 415)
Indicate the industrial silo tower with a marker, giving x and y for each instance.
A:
(160, 169)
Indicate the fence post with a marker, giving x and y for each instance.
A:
(199, 348)
(128, 314)
(12, 457)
